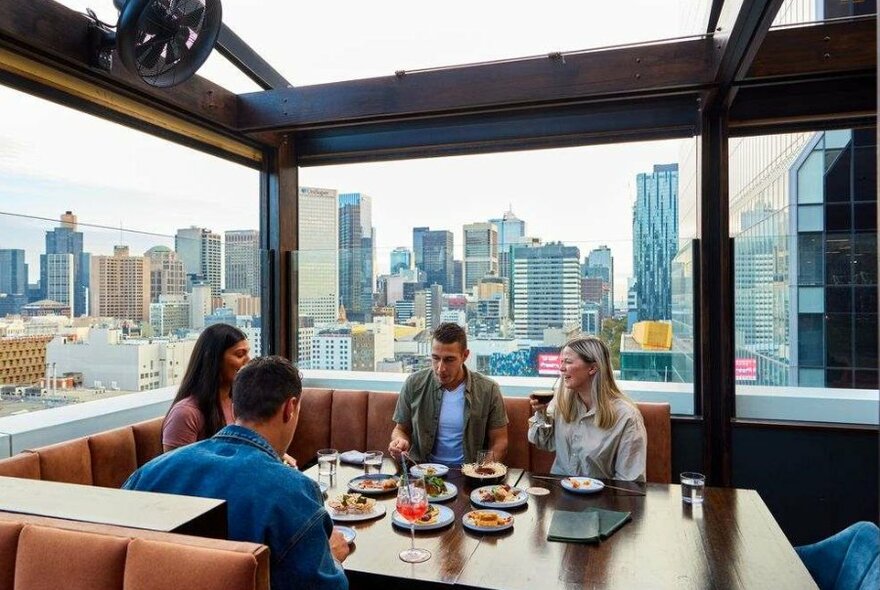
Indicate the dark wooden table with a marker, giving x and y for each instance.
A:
(205, 517)
(731, 541)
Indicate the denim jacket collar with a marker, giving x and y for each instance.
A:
(244, 434)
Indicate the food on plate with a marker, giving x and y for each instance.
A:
(482, 471)
(435, 486)
(377, 484)
(429, 471)
(488, 519)
(502, 493)
(430, 517)
(578, 483)
(351, 504)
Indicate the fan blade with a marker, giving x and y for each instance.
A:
(174, 52)
(153, 20)
(149, 56)
(194, 18)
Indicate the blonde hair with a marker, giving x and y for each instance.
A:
(603, 390)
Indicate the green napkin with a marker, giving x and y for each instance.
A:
(574, 527)
(586, 526)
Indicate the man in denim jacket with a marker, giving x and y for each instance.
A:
(267, 501)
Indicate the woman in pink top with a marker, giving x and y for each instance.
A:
(203, 404)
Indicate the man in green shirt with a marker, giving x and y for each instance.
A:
(446, 414)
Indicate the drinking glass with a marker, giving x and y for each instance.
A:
(372, 462)
(485, 457)
(692, 485)
(327, 462)
(542, 397)
(412, 504)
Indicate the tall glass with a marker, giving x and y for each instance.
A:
(412, 504)
(372, 462)
(327, 462)
(543, 397)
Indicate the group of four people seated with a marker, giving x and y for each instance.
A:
(244, 414)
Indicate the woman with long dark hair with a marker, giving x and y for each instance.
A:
(594, 428)
(203, 404)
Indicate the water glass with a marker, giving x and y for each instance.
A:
(692, 486)
(372, 462)
(327, 462)
(485, 457)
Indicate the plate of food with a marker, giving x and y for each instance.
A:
(439, 490)
(485, 521)
(582, 485)
(429, 469)
(484, 472)
(348, 533)
(435, 518)
(353, 507)
(499, 496)
(376, 483)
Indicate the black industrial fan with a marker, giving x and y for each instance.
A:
(164, 42)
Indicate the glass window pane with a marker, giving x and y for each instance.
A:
(866, 341)
(838, 187)
(865, 217)
(811, 300)
(866, 379)
(810, 340)
(810, 185)
(838, 340)
(837, 217)
(810, 259)
(838, 299)
(837, 138)
(838, 264)
(865, 299)
(811, 377)
(865, 258)
(811, 218)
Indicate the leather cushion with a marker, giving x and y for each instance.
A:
(380, 423)
(50, 558)
(313, 429)
(348, 420)
(25, 465)
(193, 568)
(113, 457)
(659, 429)
(147, 440)
(9, 532)
(518, 411)
(68, 462)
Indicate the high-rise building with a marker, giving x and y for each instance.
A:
(480, 253)
(401, 259)
(65, 239)
(511, 230)
(600, 263)
(332, 349)
(457, 276)
(317, 259)
(356, 252)
(120, 286)
(60, 273)
(243, 261)
(199, 250)
(201, 304)
(655, 240)
(418, 246)
(167, 276)
(169, 314)
(546, 289)
(436, 257)
(13, 281)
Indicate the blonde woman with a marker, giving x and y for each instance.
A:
(595, 429)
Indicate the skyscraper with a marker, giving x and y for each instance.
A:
(167, 276)
(120, 286)
(60, 273)
(436, 257)
(480, 253)
(546, 289)
(511, 230)
(418, 247)
(65, 239)
(356, 255)
(199, 250)
(600, 263)
(13, 272)
(317, 258)
(401, 259)
(243, 261)
(655, 240)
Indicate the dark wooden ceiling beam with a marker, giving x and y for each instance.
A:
(545, 81)
(248, 61)
(58, 36)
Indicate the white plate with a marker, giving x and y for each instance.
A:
(445, 518)
(347, 532)
(487, 529)
(521, 499)
(588, 485)
(421, 470)
(451, 492)
(378, 510)
(353, 484)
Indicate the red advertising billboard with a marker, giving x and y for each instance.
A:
(746, 369)
(548, 363)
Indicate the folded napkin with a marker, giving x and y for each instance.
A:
(353, 457)
(587, 526)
